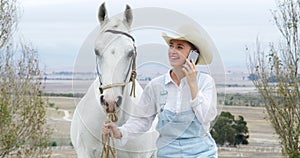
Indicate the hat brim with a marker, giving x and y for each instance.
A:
(199, 38)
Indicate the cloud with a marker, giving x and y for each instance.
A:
(64, 24)
(41, 3)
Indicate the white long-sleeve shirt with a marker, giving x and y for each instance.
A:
(178, 100)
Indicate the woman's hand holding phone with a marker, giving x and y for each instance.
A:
(190, 70)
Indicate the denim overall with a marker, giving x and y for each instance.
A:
(182, 135)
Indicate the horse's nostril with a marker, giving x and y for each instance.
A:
(102, 99)
(119, 101)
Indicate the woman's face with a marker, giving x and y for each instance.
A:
(178, 52)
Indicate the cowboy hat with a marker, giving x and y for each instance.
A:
(199, 38)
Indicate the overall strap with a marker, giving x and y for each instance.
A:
(163, 94)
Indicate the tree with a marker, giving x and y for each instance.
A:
(228, 131)
(23, 131)
(241, 130)
(8, 19)
(252, 77)
(280, 63)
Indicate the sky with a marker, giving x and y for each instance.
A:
(58, 28)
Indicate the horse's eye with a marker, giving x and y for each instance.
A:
(130, 54)
(97, 52)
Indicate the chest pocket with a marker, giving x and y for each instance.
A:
(163, 98)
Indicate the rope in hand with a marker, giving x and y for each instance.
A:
(107, 138)
(112, 117)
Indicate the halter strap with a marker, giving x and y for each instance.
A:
(133, 64)
(120, 32)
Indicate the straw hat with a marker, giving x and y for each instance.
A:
(199, 38)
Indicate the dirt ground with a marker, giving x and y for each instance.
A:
(263, 143)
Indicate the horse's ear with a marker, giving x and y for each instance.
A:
(128, 16)
(102, 14)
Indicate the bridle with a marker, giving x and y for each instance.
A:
(133, 65)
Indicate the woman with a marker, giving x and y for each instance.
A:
(184, 100)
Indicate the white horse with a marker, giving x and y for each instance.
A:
(115, 55)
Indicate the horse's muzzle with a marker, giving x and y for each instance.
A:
(110, 105)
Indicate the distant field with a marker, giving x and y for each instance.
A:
(227, 83)
(263, 143)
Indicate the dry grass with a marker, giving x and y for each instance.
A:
(262, 143)
(261, 131)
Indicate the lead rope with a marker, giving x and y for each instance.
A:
(133, 73)
(112, 116)
(107, 138)
(132, 79)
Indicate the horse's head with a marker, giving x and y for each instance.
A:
(115, 53)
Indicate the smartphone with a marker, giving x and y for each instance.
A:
(193, 55)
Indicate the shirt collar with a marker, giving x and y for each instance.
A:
(168, 78)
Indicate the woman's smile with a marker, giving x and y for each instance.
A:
(173, 58)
